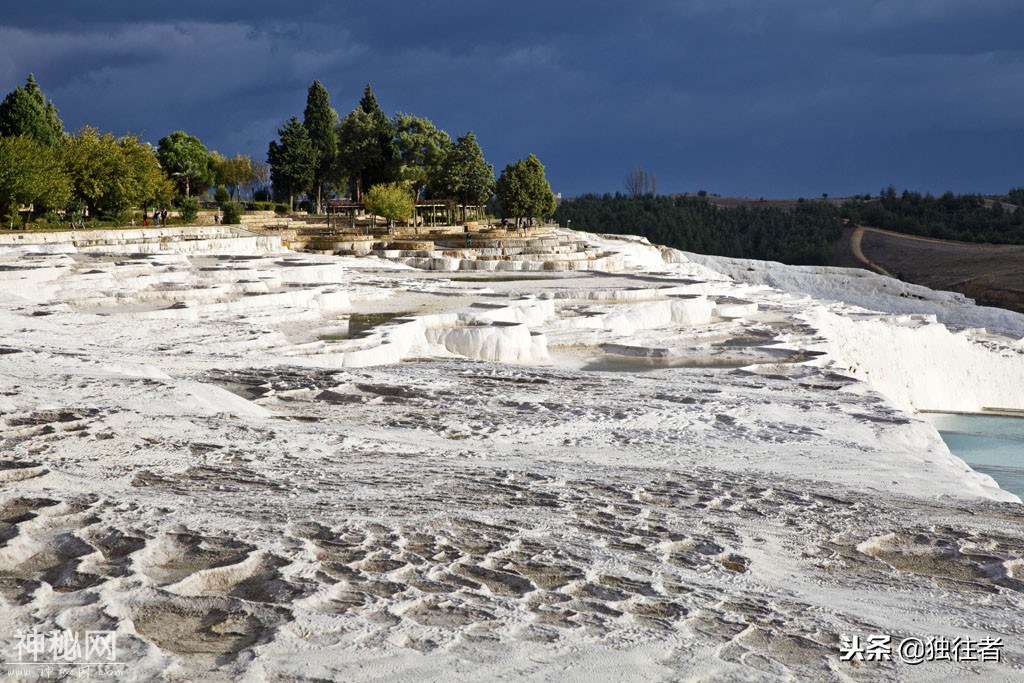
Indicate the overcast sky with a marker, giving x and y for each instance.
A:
(743, 97)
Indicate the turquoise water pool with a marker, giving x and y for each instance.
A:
(990, 444)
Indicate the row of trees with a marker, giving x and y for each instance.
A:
(87, 171)
(195, 169)
(324, 155)
(100, 174)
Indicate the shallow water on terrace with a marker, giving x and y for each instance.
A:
(591, 361)
(988, 443)
(361, 323)
(610, 363)
(502, 278)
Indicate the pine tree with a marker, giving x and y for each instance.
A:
(320, 122)
(292, 161)
(421, 149)
(357, 149)
(466, 176)
(25, 111)
(383, 169)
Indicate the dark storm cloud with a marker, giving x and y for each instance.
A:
(792, 97)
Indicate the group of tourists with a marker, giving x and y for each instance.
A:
(159, 218)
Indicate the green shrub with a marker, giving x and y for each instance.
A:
(232, 213)
(281, 209)
(189, 209)
(266, 206)
(221, 196)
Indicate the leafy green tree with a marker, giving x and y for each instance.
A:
(465, 174)
(109, 175)
(393, 201)
(421, 149)
(186, 160)
(235, 172)
(140, 163)
(217, 165)
(259, 175)
(231, 173)
(292, 160)
(30, 173)
(26, 111)
(321, 122)
(524, 191)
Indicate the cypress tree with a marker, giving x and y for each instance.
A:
(320, 122)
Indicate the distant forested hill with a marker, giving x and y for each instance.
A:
(964, 217)
(800, 235)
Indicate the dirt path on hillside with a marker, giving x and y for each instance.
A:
(992, 274)
(856, 246)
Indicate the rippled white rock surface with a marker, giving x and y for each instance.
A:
(258, 464)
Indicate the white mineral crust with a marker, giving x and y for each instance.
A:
(621, 463)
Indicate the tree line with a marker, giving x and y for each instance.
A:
(802, 236)
(48, 173)
(392, 162)
(799, 236)
(960, 217)
(97, 175)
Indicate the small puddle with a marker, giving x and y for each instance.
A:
(612, 362)
(359, 324)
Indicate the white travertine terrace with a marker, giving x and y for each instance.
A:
(582, 453)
